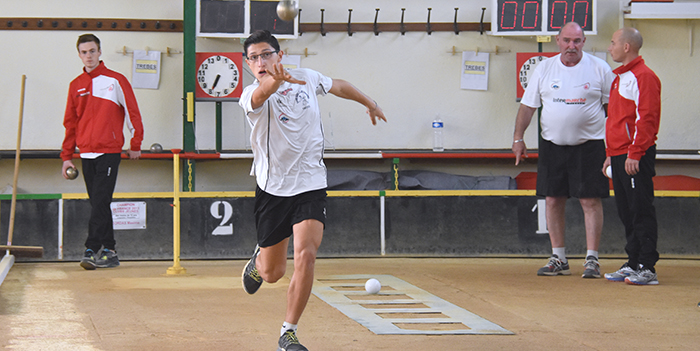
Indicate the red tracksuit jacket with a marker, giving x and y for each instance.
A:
(98, 103)
(634, 110)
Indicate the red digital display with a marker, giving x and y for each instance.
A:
(538, 17)
(519, 15)
(563, 11)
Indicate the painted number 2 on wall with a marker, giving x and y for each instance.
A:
(223, 228)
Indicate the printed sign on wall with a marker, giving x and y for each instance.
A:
(128, 215)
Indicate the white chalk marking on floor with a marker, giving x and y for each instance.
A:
(461, 320)
(48, 319)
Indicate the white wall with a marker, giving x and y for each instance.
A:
(413, 77)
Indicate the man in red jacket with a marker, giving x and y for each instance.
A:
(99, 101)
(634, 113)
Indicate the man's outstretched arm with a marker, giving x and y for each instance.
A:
(345, 90)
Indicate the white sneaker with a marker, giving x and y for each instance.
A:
(622, 273)
(643, 277)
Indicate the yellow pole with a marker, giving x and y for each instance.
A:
(176, 268)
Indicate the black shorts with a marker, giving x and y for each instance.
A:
(572, 171)
(275, 215)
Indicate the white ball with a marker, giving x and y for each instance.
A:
(373, 286)
(608, 172)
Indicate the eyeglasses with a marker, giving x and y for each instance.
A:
(265, 56)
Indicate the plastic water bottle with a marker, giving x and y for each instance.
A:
(437, 135)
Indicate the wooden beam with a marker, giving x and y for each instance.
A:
(90, 24)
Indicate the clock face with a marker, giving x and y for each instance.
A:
(528, 68)
(526, 62)
(218, 76)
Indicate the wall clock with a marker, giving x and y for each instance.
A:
(525, 63)
(219, 76)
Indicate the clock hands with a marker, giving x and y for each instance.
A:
(217, 76)
(216, 81)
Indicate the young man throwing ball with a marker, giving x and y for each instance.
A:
(290, 198)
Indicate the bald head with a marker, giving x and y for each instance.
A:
(572, 26)
(632, 37)
(625, 44)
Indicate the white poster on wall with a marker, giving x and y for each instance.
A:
(128, 215)
(291, 61)
(146, 69)
(475, 70)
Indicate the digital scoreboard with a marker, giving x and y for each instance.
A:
(541, 17)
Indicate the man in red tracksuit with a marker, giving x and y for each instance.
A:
(634, 113)
(99, 101)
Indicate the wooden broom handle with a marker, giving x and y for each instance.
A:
(11, 229)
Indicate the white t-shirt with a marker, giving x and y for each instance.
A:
(573, 99)
(287, 135)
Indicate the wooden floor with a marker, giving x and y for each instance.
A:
(60, 306)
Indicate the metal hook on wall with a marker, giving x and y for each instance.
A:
(349, 22)
(456, 28)
(299, 23)
(427, 26)
(323, 30)
(376, 28)
(403, 26)
(481, 23)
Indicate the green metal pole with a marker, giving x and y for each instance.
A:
(188, 84)
(218, 126)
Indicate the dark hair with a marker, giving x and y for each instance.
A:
(86, 38)
(260, 36)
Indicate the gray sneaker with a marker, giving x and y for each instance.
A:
(88, 260)
(289, 342)
(107, 259)
(644, 277)
(250, 277)
(554, 267)
(622, 273)
(591, 268)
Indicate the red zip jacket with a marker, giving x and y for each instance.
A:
(634, 110)
(98, 103)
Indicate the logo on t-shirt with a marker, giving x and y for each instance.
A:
(556, 84)
(283, 118)
(302, 99)
(578, 101)
(585, 86)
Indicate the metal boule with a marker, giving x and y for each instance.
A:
(287, 10)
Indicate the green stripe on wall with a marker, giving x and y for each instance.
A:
(31, 196)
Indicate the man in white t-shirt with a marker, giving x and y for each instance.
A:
(573, 90)
(287, 141)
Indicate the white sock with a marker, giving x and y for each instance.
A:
(288, 326)
(592, 253)
(560, 252)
